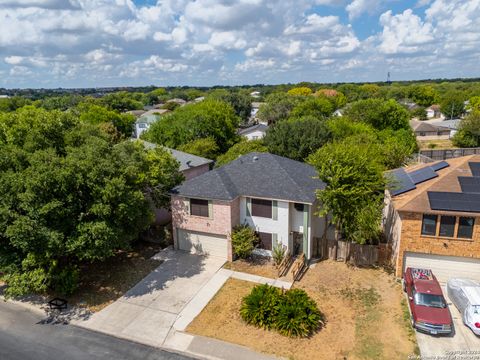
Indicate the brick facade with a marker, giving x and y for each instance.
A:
(412, 240)
(225, 216)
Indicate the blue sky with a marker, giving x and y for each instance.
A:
(95, 43)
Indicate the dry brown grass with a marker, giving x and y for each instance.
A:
(364, 318)
(438, 144)
(104, 282)
(259, 266)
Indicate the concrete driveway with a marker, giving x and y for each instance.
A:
(463, 341)
(148, 311)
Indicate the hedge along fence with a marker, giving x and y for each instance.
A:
(292, 313)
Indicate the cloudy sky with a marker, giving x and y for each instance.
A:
(87, 43)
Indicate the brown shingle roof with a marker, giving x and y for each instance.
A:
(417, 200)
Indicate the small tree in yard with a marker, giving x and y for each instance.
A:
(353, 174)
(244, 240)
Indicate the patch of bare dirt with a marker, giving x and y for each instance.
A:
(362, 308)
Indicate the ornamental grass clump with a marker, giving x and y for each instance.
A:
(259, 308)
(292, 313)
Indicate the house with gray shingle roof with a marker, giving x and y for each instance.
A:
(273, 195)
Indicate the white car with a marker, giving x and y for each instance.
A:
(465, 294)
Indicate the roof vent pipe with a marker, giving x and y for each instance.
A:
(255, 158)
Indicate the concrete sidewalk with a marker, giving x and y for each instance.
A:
(159, 308)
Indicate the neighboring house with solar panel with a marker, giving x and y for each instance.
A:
(273, 195)
(431, 217)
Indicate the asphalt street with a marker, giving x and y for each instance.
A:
(23, 336)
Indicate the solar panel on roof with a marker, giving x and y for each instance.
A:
(469, 184)
(421, 175)
(439, 166)
(449, 201)
(475, 168)
(400, 182)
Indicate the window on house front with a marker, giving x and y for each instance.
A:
(262, 208)
(142, 126)
(298, 207)
(447, 226)
(199, 207)
(265, 241)
(429, 225)
(465, 227)
(422, 134)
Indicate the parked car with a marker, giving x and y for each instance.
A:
(465, 295)
(428, 307)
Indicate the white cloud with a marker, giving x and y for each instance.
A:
(404, 33)
(358, 7)
(108, 42)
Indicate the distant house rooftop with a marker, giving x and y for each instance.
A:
(151, 116)
(187, 161)
(261, 175)
(258, 127)
(422, 126)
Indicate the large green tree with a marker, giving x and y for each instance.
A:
(468, 134)
(354, 189)
(278, 107)
(381, 114)
(71, 195)
(240, 101)
(452, 104)
(209, 118)
(241, 148)
(296, 139)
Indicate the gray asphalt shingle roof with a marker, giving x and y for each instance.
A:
(186, 160)
(260, 175)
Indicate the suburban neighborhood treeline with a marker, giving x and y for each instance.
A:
(75, 188)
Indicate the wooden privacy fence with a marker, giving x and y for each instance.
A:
(356, 254)
(446, 154)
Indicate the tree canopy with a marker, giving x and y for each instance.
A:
(206, 147)
(209, 118)
(241, 148)
(71, 195)
(452, 104)
(296, 139)
(468, 134)
(381, 114)
(354, 187)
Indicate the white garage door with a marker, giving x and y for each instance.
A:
(202, 243)
(445, 267)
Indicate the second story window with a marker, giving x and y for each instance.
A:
(465, 227)
(429, 225)
(199, 207)
(262, 208)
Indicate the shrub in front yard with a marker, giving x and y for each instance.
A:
(292, 313)
(297, 315)
(259, 308)
(244, 240)
(278, 253)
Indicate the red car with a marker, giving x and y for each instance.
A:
(428, 307)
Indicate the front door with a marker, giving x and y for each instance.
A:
(297, 243)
